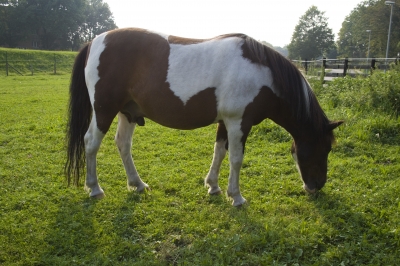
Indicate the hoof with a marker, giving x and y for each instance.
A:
(96, 192)
(215, 191)
(98, 196)
(238, 201)
(144, 187)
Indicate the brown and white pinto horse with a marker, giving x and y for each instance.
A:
(183, 83)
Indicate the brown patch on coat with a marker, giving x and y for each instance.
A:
(222, 134)
(133, 72)
(268, 105)
(185, 41)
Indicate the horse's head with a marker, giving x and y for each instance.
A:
(311, 156)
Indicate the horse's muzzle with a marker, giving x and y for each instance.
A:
(312, 188)
(311, 191)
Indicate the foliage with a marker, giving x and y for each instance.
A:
(371, 15)
(64, 24)
(311, 37)
(95, 11)
(281, 50)
(354, 220)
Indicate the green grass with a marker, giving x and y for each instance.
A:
(354, 220)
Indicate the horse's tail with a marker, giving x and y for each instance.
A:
(79, 116)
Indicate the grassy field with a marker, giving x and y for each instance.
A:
(354, 220)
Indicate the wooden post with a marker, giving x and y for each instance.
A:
(55, 64)
(30, 65)
(6, 65)
(373, 61)
(346, 65)
(306, 65)
(323, 70)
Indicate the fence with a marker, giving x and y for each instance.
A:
(40, 62)
(328, 69)
(33, 63)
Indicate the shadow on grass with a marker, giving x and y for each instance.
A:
(73, 235)
(357, 236)
(82, 233)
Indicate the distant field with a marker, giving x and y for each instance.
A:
(354, 220)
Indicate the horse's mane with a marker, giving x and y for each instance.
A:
(288, 82)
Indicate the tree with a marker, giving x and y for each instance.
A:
(12, 22)
(54, 20)
(60, 24)
(370, 15)
(98, 20)
(311, 37)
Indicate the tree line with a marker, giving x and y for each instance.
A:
(364, 33)
(58, 24)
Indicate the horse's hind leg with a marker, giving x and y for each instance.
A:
(220, 145)
(123, 139)
(93, 138)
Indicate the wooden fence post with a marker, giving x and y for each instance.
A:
(30, 64)
(346, 65)
(306, 65)
(55, 64)
(6, 65)
(373, 62)
(323, 69)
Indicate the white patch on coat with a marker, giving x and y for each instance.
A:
(217, 64)
(93, 61)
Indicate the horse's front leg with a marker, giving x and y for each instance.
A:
(123, 139)
(237, 135)
(211, 180)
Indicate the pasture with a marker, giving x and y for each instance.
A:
(354, 220)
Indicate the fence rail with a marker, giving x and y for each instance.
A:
(328, 69)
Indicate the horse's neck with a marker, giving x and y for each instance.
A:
(281, 113)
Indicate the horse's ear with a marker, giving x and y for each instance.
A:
(334, 124)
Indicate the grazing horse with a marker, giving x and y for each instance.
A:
(182, 83)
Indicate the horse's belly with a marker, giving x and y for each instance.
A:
(169, 110)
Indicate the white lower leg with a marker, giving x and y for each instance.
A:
(235, 162)
(123, 140)
(211, 181)
(233, 185)
(134, 180)
(93, 139)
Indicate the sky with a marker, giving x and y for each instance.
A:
(264, 20)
